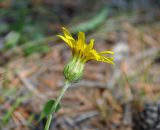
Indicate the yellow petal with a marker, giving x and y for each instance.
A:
(81, 36)
(106, 52)
(67, 33)
(93, 55)
(105, 59)
(89, 46)
(66, 40)
(81, 40)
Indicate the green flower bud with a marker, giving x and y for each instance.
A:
(73, 71)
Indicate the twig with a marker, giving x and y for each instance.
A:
(87, 83)
(147, 53)
(30, 86)
(20, 117)
(85, 116)
(80, 118)
(132, 61)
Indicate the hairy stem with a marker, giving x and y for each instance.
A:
(49, 119)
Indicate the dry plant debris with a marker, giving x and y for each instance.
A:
(104, 99)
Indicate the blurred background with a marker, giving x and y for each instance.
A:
(121, 97)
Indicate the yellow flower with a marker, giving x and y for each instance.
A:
(82, 52)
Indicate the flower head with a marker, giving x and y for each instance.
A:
(82, 52)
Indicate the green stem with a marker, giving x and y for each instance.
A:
(49, 119)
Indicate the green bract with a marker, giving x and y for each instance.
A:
(73, 71)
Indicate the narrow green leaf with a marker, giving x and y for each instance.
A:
(9, 113)
(48, 109)
(92, 23)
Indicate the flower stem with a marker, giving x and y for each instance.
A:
(49, 119)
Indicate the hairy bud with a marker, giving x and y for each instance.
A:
(73, 71)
